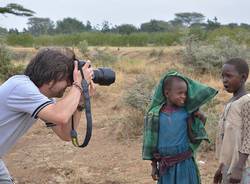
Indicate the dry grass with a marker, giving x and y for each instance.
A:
(133, 62)
(107, 160)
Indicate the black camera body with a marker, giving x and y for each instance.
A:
(102, 76)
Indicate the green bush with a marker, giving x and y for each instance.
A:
(95, 39)
(83, 46)
(7, 68)
(139, 95)
(103, 58)
(24, 39)
(210, 57)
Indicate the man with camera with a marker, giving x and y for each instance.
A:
(25, 98)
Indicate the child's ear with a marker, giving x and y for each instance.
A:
(244, 77)
(166, 93)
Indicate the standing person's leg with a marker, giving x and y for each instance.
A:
(5, 177)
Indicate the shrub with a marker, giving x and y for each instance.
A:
(138, 96)
(103, 58)
(7, 68)
(83, 46)
(210, 57)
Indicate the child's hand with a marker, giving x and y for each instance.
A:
(154, 173)
(236, 175)
(201, 116)
(218, 176)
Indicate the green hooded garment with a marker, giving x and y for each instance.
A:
(197, 95)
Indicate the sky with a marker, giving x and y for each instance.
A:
(134, 12)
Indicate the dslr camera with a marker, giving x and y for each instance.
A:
(102, 76)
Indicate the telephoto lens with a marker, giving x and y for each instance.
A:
(102, 76)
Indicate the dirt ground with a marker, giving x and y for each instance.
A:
(41, 158)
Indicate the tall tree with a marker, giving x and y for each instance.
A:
(38, 26)
(213, 24)
(155, 26)
(125, 29)
(88, 26)
(70, 25)
(16, 9)
(106, 26)
(189, 18)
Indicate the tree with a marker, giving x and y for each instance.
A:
(13, 31)
(189, 18)
(155, 26)
(88, 26)
(106, 26)
(16, 9)
(70, 25)
(38, 26)
(3, 31)
(213, 24)
(125, 29)
(232, 25)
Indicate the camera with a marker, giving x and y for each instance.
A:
(102, 76)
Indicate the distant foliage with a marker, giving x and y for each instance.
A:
(95, 39)
(139, 95)
(83, 46)
(239, 34)
(26, 40)
(137, 99)
(103, 57)
(7, 69)
(209, 57)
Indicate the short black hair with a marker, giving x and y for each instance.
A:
(240, 65)
(51, 64)
(168, 82)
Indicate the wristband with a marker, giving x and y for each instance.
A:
(77, 86)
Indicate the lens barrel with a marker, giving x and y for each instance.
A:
(102, 76)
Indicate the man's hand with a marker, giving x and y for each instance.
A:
(77, 77)
(236, 175)
(88, 72)
(92, 88)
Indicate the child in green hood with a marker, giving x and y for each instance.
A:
(171, 131)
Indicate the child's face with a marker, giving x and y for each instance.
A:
(231, 78)
(177, 94)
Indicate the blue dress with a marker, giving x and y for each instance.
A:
(173, 139)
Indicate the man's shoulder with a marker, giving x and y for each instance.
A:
(19, 79)
(19, 84)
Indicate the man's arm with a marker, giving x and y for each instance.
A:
(63, 130)
(61, 112)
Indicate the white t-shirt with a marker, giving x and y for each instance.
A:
(20, 102)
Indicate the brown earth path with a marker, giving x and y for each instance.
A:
(41, 158)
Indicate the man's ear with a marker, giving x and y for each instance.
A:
(51, 84)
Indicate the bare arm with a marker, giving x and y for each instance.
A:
(61, 112)
(63, 130)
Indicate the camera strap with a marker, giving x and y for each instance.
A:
(74, 139)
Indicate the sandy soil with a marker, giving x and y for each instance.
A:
(41, 158)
